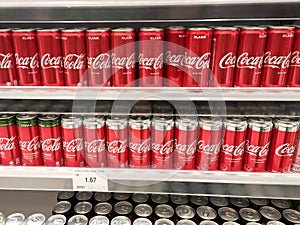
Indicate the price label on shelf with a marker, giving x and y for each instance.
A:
(89, 180)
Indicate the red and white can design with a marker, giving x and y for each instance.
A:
(162, 134)
(50, 138)
(117, 142)
(174, 56)
(26, 56)
(123, 57)
(234, 143)
(197, 58)
(209, 143)
(294, 71)
(94, 141)
(283, 145)
(249, 63)
(7, 60)
(98, 56)
(74, 57)
(224, 50)
(50, 54)
(139, 142)
(258, 144)
(72, 139)
(151, 47)
(185, 143)
(29, 140)
(9, 148)
(277, 56)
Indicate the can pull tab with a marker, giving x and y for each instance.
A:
(206, 213)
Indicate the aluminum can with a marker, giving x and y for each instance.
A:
(206, 213)
(185, 143)
(74, 58)
(275, 223)
(143, 210)
(234, 143)
(197, 58)
(163, 222)
(179, 200)
(50, 138)
(98, 56)
(151, 48)
(78, 220)
(123, 57)
(36, 219)
(102, 196)
(294, 70)
(103, 209)
(249, 215)
(291, 216)
(50, 54)
(207, 222)
(139, 198)
(7, 61)
(29, 140)
(238, 203)
(230, 223)
(209, 143)
(197, 201)
(283, 145)
(159, 199)
(9, 147)
(123, 208)
(228, 214)
(66, 196)
(26, 56)
(185, 222)
(142, 221)
(120, 220)
(84, 196)
(224, 50)
(277, 59)
(164, 211)
(63, 208)
(83, 208)
(184, 212)
(57, 220)
(258, 144)
(269, 213)
(117, 142)
(15, 219)
(139, 142)
(174, 56)
(218, 202)
(257, 203)
(162, 134)
(103, 220)
(72, 139)
(281, 204)
(121, 196)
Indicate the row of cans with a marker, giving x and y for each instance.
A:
(177, 56)
(186, 143)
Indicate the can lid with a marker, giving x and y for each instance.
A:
(185, 222)
(120, 220)
(57, 220)
(99, 220)
(123, 207)
(210, 123)
(291, 215)
(140, 198)
(48, 30)
(36, 219)
(5, 30)
(231, 223)
(159, 198)
(281, 27)
(250, 215)
(236, 123)
(260, 124)
(226, 28)
(186, 123)
(208, 222)
(83, 207)
(116, 122)
(164, 211)
(163, 222)
(219, 201)
(163, 122)
(199, 28)
(102, 196)
(286, 124)
(259, 201)
(23, 30)
(185, 212)
(274, 223)
(121, 196)
(206, 213)
(228, 214)
(176, 28)
(199, 200)
(253, 223)
(7, 120)
(25, 117)
(123, 29)
(62, 207)
(142, 221)
(139, 123)
(252, 28)
(151, 29)
(69, 30)
(70, 121)
(84, 195)
(101, 29)
(15, 219)
(47, 117)
(143, 210)
(65, 195)
(240, 202)
(93, 122)
(179, 199)
(78, 220)
(103, 208)
(281, 203)
(270, 213)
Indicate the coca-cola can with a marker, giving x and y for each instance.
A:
(185, 222)
(117, 142)
(66, 196)
(98, 56)
(120, 220)
(269, 213)
(36, 219)
(123, 57)
(185, 143)
(178, 200)
(121, 196)
(151, 47)
(143, 210)
(294, 70)
(57, 220)
(26, 56)
(224, 50)
(291, 216)
(258, 144)
(83, 208)
(197, 61)
(94, 141)
(197, 201)
(72, 139)
(218, 202)
(283, 145)
(50, 54)
(234, 143)
(249, 215)
(206, 213)
(157, 199)
(74, 56)
(257, 203)
(102, 196)
(277, 59)
(228, 214)
(123, 208)
(78, 220)
(238, 203)
(29, 140)
(15, 219)
(250, 56)
(84, 196)
(281, 204)
(164, 211)
(174, 56)
(103, 220)
(164, 222)
(139, 198)
(184, 212)
(9, 147)
(142, 221)
(63, 208)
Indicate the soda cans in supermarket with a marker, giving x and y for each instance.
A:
(197, 201)
(103, 209)
(291, 216)
(78, 220)
(66, 196)
(178, 200)
(83, 208)
(163, 211)
(123, 208)
(99, 220)
(102, 196)
(269, 214)
(63, 208)
(143, 210)
(57, 220)
(228, 214)
(249, 215)
(84, 196)
(157, 199)
(294, 70)
(184, 212)
(218, 202)
(142, 221)
(120, 220)
(121, 197)
(206, 213)
(139, 198)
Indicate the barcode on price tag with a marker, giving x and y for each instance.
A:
(89, 180)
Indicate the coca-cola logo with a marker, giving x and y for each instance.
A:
(151, 63)
(74, 61)
(75, 145)
(140, 148)
(6, 61)
(295, 59)
(186, 149)
(233, 150)
(7, 144)
(163, 149)
(102, 61)
(275, 61)
(285, 150)
(209, 149)
(250, 62)
(173, 59)
(48, 62)
(95, 146)
(227, 61)
(51, 144)
(32, 145)
(123, 62)
(27, 62)
(117, 146)
(256, 150)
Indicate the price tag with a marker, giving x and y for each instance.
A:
(89, 180)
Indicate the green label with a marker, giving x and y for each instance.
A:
(27, 123)
(49, 123)
(7, 122)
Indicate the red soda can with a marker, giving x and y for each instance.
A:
(50, 54)
(258, 144)
(72, 138)
(50, 138)
(224, 50)
(277, 56)
(186, 143)
(174, 56)
(117, 142)
(294, 71)
(9, 148)
(162, 134)
(139, 142)
(209, 143)
(123, 57)
(197, 59)
(234, 143)
(29, 140)
(251, 49)
(98, 56)
(74, 56)
(26, 56)
(7, 60)
(283, 145)
(94, 141)
(151, 48)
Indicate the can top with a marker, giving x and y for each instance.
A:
(219, 201)
(116, 122)
(139, 123)
(281, 27)
(240, 202)
(140, 198)
(164, 211)
(208, 222)
(23, 30)
(236, 123)
(206, 212)
(286, 124)
(99, 220)
(62, 207)
(84, 195)
(228, 214)
(179, 199)
(185, 222)
(123, 207)
(260, 124)
(199, 28)
(252, 28)
(6, 116)
(199, 200)
(48, 30)
(151, 29)
(163, 222)
(65, 195)
(120, 220)
(102, 196)
(143, 210)
(15, 219)
(93, 122)
(185, 212)
(253, 223)
(5, 30)
(274, 223)
(69, 121)
(69, 30)
(250, 215)
(36, 219)
(25, 117)
(48, 117)
(281, 203)
(259, 201)
(226, 28)
(123, 29)
(210, 123)
(101, 29)
(159, 198)
(163, 122)
(270, 213)
(103, 208)
(291, 215)
(231, 223)
(78, 220)
(121, 196)
(176, 28)
(186, 123)
(83, 207)
(142, 221)
(57, 220)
